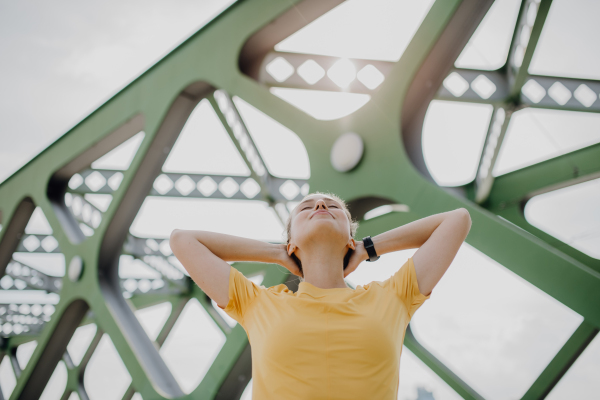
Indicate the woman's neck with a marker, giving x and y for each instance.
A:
(323, 267)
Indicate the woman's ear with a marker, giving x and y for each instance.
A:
(352, 244)
(290, 249)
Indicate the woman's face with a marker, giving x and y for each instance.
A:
(319, 218)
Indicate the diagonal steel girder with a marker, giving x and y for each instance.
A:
(528, 30)
(392, 169)
(513, 190)
(495, 134)
(562, 171)
(561, 362)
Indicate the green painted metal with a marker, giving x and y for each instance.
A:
(464, 390)
(518, 74)
(512, 191)
(565, 170)
(162, 98)
(559, 365)
(484, 180)
(502, 97)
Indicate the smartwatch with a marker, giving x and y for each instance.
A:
(370, 247)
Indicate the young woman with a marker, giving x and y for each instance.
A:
(326, 340)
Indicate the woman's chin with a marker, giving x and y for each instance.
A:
(327, 229)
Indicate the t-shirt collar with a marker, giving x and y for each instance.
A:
(308, 288)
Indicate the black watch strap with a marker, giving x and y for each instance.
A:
(370, 247)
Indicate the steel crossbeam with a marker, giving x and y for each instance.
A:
(555, 93)
(297, 81)
(29, 278)
(202, 186)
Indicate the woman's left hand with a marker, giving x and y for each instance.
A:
(359, 255)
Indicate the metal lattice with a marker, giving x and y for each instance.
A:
(210, 65)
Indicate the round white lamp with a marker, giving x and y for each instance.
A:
(347, 151)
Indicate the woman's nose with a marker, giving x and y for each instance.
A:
(321, 204)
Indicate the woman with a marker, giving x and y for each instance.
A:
(326, 340)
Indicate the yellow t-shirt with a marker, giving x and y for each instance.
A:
(318, 344)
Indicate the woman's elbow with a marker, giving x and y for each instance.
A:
(174, 233)
(176, 237)
(466, 217)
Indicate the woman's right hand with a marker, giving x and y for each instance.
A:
(286, 261)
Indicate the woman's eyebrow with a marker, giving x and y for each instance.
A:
(304, 202)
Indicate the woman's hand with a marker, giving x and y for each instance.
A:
(360, 254)
(286, 261)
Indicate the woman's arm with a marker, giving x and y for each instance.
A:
(438, 238)
(204, 255)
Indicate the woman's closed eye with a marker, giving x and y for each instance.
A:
(309, 207)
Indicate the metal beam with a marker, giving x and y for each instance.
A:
(514, 215)
(439, 368)
(320, 64)
(235, 126)
(49, 350)
(460, 25)
(548, 92)
(238, 132)
(263, 40)
(27, 277)
(36, 243)
(210, 186)
(527, 34)
(176, 309)
(160, 101)
(562, 171)
(561, 93)
(474, 86)
(31, 322)
(561, 362)
(493, 143)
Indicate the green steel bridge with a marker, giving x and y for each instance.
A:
(229, 57)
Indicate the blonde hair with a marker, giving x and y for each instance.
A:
(353, 226)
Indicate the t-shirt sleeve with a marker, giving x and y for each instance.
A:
(242, 292)
(404, 284)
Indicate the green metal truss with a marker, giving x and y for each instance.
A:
(227, 57)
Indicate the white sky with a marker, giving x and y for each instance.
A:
(63, 59)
